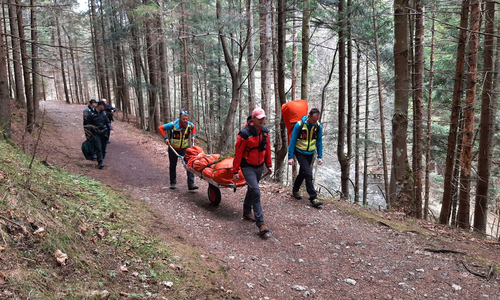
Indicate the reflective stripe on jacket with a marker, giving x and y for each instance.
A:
(306, 141)
(311, 130)
(177, 135)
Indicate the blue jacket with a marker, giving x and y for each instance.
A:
(295, 134)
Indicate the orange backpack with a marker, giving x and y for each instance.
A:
(293, 112)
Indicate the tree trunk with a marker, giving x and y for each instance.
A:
(418, 107)
(469, 110)
(341, 141)
(266, 54)
(429, 120)
(73, 65)
(357, 125)
(456, 175)
(30, 112)
(250, 57)
(444, 216)
(16, 55)
(97, 47)
(137, 62)
(164, 84)
(185, 76)
(235, 85)
(401, 181)
(294, 53)
(346, 177)
(487, 127)
(61, 57)
(381, 108)
(366, 130)
(107, 49)
(5, 99)
(153, 121)
(34, 60)
(306, 31)
(281, 137)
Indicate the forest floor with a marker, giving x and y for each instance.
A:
(341, 251)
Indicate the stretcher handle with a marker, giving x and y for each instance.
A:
(178, 155)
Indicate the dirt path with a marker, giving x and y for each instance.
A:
(317, 253)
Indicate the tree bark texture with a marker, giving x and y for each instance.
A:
(151, 58)
(281, 146)
(306, 31)
(28, 91)
(418, 107)
(250, 57)
(5, 99)
(444, 216)
(429, 119)
(487, 124)
(35, 60)
(341, 141)
(235, 84)
(381, 108)
(266, 54)
(401, 180)
(16, 55)
(61, 58)
(463, 219)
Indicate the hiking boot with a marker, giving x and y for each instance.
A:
(316, 203)
(101, 165)
(297, 195)
(192, 187)
(249, 217)
(263, 229)
(172, 186)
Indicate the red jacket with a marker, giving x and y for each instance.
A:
(252, 148)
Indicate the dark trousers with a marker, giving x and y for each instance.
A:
(100, 142)
(252, 198)
(172, 157)
(305, 172)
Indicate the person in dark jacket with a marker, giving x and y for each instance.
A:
(99, 130)
(90, 109)
(110, 110)
(252, 152)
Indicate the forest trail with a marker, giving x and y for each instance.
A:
(326, 253)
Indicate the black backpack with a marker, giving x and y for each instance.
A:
(88, 150)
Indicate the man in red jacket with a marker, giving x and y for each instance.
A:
(252, 151)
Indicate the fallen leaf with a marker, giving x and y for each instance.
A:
(124, 268)
(3, 279)
(61, 257)
(113, 216)
(30, 219)
(101, 233)
(83, 228)
(39, 232)
(2, 248)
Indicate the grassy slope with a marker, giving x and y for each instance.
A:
(109, 239)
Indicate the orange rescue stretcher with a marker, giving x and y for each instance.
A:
(211, 168)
